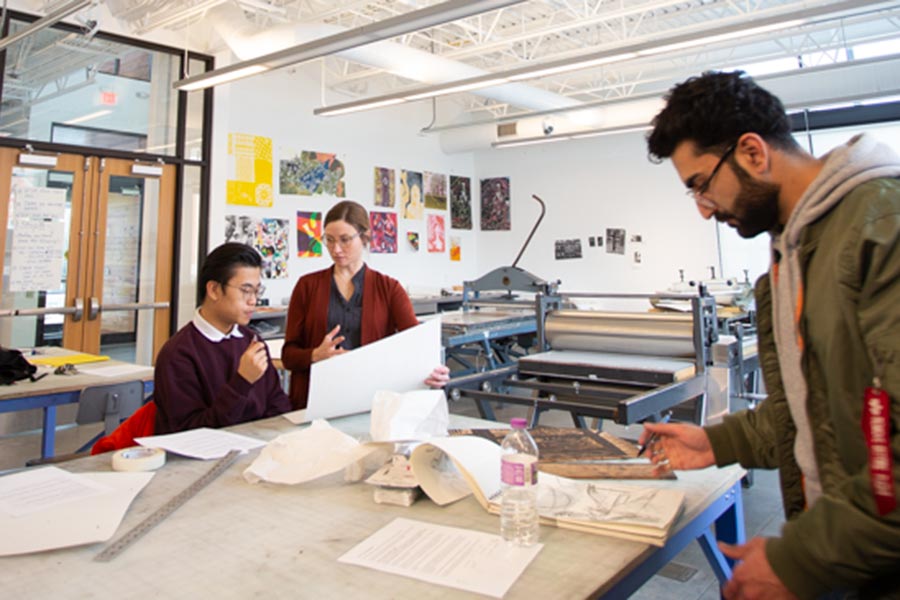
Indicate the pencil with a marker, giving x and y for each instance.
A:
(653, 436)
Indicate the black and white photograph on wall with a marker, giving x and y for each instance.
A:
(615, 241)
(636, 238)
(568, 249)
(600, 241)
(592, 241)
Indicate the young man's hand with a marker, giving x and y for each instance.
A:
(254, 362)
(678, 446)
(753, 577)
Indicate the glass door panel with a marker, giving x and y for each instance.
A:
(42, 211)
(130, 299)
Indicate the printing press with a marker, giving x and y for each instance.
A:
(623, 366)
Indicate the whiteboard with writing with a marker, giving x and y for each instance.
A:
(38, 239)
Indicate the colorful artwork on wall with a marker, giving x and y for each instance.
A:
(383, 229)
(312, 174)
(309, 234)
(436, 242)
(411, 206)
(412, 237)
(455, 249)
(384, 187)
(249, 181)
(495, 204)
(435, 191)
(268, 236)
(460, 202)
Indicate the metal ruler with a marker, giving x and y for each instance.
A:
(138, 531)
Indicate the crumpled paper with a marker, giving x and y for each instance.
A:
(314, 452)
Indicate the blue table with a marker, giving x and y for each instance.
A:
(726, 513)
(57, 390)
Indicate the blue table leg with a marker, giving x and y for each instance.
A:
(730, 525)
(48, 435)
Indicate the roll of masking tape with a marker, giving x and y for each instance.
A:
(138, 459)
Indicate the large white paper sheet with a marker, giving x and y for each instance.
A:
(459, 558)
(41, 489)
(203, 443)
(83, 521)
(346, 384)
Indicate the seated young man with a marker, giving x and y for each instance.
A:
(215, 372)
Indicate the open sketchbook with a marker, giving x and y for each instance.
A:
(450, 468)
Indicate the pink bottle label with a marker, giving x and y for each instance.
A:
(513, 471)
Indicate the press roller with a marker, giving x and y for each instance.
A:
(655, 334)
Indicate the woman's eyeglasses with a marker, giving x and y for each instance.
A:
(344, 241)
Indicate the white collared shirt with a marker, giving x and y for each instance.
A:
(210, 332)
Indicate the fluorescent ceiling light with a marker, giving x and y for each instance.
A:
(437, 14)
(731, 31)
(453, 89)
(367, 106)
(222, 77)
(54, 17)
(83, 118)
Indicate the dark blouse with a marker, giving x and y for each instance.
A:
(347, 313)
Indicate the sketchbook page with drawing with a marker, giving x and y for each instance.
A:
(447, 469)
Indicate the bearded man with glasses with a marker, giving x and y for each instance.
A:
(829, 337)
(215, 372)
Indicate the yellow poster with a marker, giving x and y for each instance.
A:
(251, 170)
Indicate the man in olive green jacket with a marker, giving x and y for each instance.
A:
(829, 337)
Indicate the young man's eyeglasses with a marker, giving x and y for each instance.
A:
(699, 193)
(249, 292)
(344, 240)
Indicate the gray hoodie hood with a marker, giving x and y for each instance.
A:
(846, 167)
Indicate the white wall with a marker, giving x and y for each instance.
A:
(588, 185)
(279, 105)
(598, 183)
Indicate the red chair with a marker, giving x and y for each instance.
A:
(140, 424)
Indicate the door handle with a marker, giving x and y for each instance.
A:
(94, 309)
(79, 309)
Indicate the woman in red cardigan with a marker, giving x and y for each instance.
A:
(344, 306)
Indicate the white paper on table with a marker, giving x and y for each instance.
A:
(114, 370)
(451, 468)
(203, 443)
(411, 416)
(304, 455)
(42, 489)
(346, 384)
(84, 521)
(460, 558)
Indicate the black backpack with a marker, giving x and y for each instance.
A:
(14, 367)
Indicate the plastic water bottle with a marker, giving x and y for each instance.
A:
(518, 474)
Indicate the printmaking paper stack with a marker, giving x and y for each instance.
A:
(448, 469)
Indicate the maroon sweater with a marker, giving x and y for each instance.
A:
(386, 309)
(196, 384)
